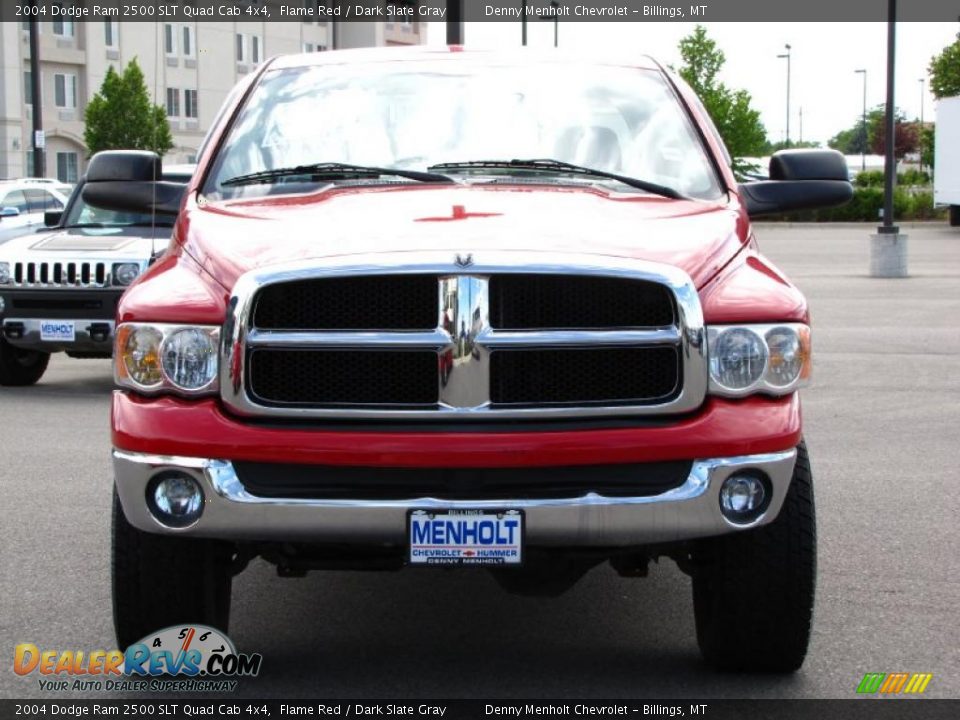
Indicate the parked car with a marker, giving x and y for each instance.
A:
(24, 202)
(432, 308)
(59, 288)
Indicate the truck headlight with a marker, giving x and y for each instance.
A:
(125, 273)
(158, 357)
(4, 273)
(189, 358)
(746, 359)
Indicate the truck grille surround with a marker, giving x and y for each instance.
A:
(512, 337)
(61, 274)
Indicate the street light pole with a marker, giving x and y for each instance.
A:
(39, 157)
(523, 23)
(863, 124)
(787, 56)
(922, 98)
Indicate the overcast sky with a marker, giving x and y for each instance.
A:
(823, 59)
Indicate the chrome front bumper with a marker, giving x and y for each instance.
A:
(30, 337)
(691, 510)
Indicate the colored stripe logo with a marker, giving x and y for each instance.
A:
(894, 683)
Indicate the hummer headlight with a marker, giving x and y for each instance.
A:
(4, 273)
(125, 273)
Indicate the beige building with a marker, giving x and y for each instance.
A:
(189, 69)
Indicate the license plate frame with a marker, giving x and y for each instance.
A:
(462, 553)
(58, 331)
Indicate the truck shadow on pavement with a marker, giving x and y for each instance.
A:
(456, 633)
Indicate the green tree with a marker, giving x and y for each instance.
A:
(928, 135)
(945, 71)
(121, 116)
(737, 122)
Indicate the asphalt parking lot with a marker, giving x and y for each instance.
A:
(883, 427)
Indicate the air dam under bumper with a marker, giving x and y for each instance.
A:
(691, 510)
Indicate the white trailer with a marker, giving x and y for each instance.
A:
(946, 172)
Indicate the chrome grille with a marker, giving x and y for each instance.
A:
(61, 274)
(645, 356)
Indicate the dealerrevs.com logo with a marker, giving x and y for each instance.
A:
(176, 659)
(894, 683)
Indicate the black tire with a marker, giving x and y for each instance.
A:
(20, 367)
(955, 216)
(160, 581)
(753, 591)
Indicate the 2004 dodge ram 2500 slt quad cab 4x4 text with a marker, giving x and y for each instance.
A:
(427, 308)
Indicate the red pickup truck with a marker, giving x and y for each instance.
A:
(429, 308)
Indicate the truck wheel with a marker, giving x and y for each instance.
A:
(753, 591)
(21, 367)
(159, 581)
(955, 216)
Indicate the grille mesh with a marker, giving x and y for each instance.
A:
(332, 377)
(583, 376)
(383, 302)
(388, 483)
(527, 301)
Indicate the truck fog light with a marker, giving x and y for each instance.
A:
(744, 496)
(175, 499)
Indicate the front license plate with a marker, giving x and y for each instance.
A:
(466, 537)
(57, 331)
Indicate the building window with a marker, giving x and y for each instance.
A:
(67, 167)
(308, 47)
(65, 90)
(28, 87)
(255, 49)
(188, 49)
(190, 103)
(241, 46)
(173, 102)
(63, 28)
(169, 40)
(111, 33)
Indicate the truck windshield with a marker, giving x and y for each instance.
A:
(83, 215)
(413, 115)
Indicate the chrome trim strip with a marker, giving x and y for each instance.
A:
(588, 338)
(329, 340)
(689, 511)
(464, 381)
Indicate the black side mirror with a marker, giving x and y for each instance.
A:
(129, 181)
(799, 180)
(52, 218)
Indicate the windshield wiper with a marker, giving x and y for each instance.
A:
(333, 171)
(558, 166)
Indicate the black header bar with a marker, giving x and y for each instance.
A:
(399, 11)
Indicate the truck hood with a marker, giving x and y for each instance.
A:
(133, 242)
(232, 237)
